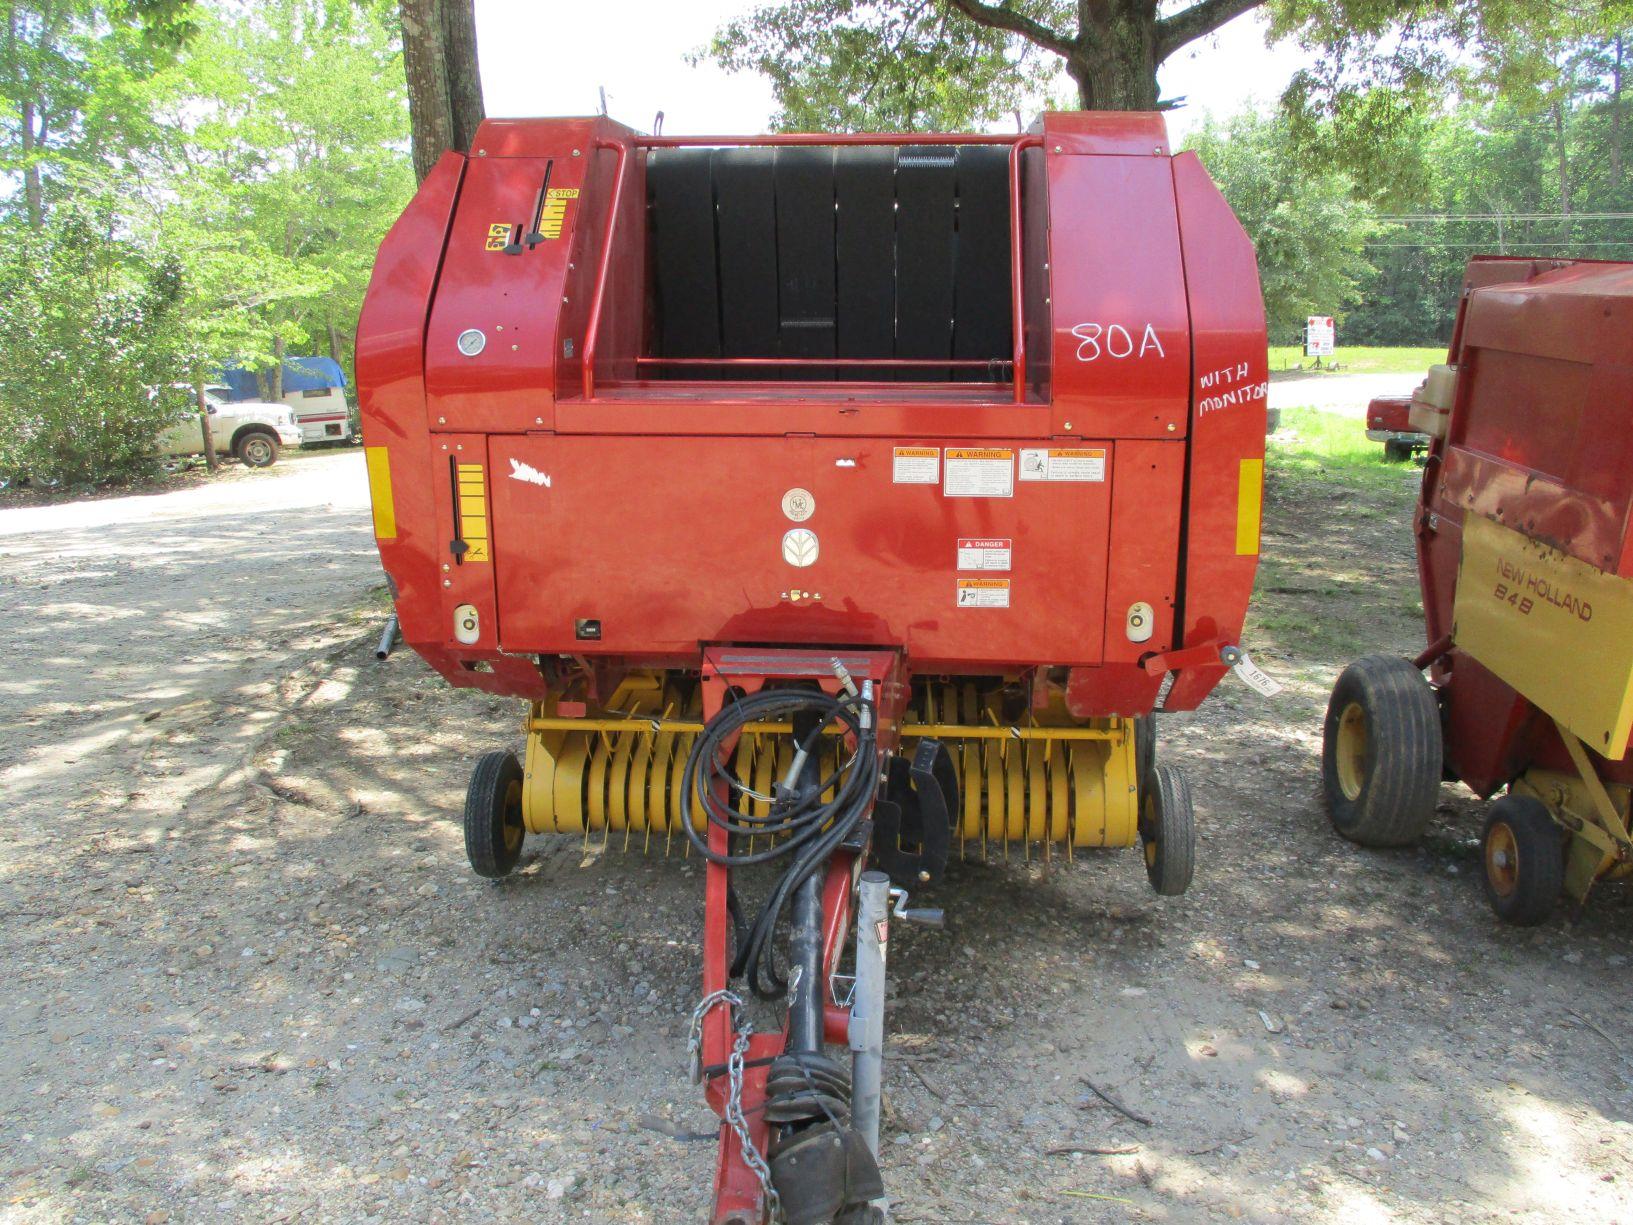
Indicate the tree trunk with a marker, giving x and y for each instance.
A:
(444, 81)
(1564, 171)
(210, 461)
(1616, 116)
(334, 343)
(1114, 62)
(430, 113)
(276, 378)
(464, 73)
(33, 192)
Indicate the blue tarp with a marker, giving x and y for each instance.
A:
(300, 374)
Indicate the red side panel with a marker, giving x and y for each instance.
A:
(1120, 362)
(391, 397)
(1542, 431)
(1229, 382)
(670, 542)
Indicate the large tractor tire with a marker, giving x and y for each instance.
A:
(1381, 752)
(1523, 852)
(493, 815)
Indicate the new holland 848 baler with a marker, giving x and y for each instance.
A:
(1524, 533)
(832, 501)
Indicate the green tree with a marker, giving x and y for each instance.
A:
(1309, 229)
(69, 73)
(90, 324)
(284, 165)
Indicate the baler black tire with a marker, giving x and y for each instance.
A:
(1167, 831)
(1523, 890)
(493, 815)
(1145, 748)
(1381, 752)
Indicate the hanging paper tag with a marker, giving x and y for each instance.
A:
(1254, 677)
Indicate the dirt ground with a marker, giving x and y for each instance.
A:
(249, 975)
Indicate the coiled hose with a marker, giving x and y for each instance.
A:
(798, 821)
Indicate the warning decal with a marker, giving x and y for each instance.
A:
(979, 554)
(473, 512)
(554, 213)
(979, 472)
(983, 593)
(915, 465)
(1063, 464)
(499, 235)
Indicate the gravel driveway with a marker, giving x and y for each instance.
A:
(1344, 394)
(249, 976)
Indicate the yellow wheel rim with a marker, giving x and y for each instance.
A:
(514, 833)
(1502, 859)
(1148, 831)
(1351, 751)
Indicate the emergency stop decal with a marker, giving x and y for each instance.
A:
(554, 214)
(1063, 464)
(979, 472)
(983, 593)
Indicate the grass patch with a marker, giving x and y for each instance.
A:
(1362, 359)
(1312, 446)
(1337, 575)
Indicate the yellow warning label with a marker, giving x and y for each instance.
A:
(983, 593)
(499, 235)
(554, 213)
(473, 512)
(916, 466)
(979, 472)
(1063, 464)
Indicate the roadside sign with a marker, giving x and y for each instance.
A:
(1320, 336)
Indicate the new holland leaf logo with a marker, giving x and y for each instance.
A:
(527, 472)
(799, 547)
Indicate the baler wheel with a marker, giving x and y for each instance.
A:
(1523, 852)
(1381, 752)
(1167, 830)
(493, 815)
(1145, 747)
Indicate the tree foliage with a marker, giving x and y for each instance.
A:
(89, 324)
(281, 167)
(1309, 229)
(858, 66)
(244, 158)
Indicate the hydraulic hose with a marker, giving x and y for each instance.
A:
(799, 823)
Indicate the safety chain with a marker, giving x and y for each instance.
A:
(734, 1097)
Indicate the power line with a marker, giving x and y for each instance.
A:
(1414, 217)
(1524, 246)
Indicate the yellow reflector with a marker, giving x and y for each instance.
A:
(1249, 502)
(385, 510)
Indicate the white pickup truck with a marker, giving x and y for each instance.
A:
(251, 430)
